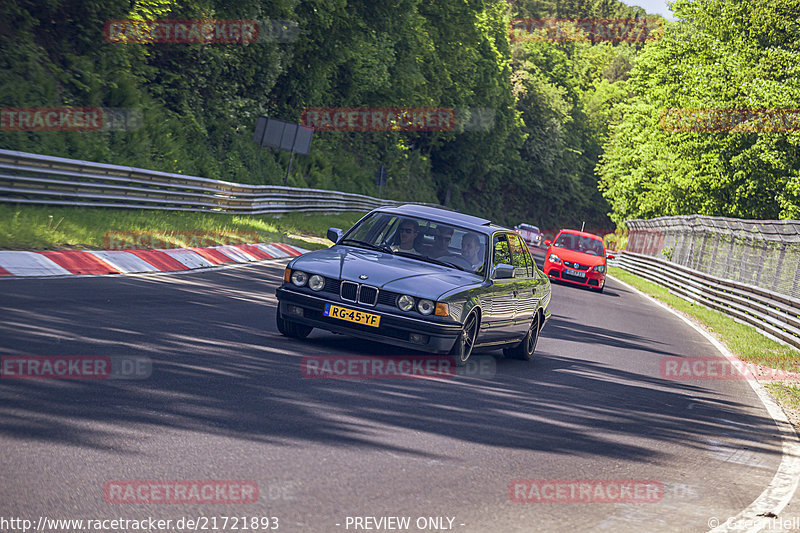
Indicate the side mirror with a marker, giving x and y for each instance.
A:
(610, 256)
(335, 234)
(547, 243)
(503, 271)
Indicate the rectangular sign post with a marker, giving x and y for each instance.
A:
(282, 135)
(380, 179)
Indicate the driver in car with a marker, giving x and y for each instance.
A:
(408, 232)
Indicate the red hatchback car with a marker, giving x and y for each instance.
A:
(577, 257)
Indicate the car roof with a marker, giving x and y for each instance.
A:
(581, 233)
(445, 216)
(528, 227)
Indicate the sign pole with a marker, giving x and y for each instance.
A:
(286, 179)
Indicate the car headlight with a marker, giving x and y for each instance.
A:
(299, 278)
(426, 307)
(405, 302)
(316, 282)
(599, 268)
(553, 258)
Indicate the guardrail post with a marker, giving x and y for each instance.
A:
(776, 283)
(718, 237)
(698, 264)
(729, 262)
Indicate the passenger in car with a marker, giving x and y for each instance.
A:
(441, 242)
(471, 250)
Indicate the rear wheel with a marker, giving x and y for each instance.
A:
(462, 349)
(524, 350)
(289, 328)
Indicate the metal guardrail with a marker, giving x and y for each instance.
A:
(764, 253)
(39, 179)
(774, 314)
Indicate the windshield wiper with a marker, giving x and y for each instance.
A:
(369, 245)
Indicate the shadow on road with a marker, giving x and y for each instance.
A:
(220, 367)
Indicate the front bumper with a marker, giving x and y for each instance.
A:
(394, 328)
(593, 279)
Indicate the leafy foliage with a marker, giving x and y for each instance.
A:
(724, 55)
(551, 102)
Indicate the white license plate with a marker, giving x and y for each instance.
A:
(576, 273)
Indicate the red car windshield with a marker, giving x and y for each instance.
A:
(579, 243)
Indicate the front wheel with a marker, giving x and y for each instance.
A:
(524, 350)
(462, 349)
(289, 328)
(600, 288)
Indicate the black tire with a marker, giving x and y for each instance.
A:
(524, 350)
(462, 348)
(289, 328)
(599, 289)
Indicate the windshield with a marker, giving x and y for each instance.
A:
(580, 243)
(421, 239)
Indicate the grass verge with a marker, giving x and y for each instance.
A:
(64, 228)
(786, 394)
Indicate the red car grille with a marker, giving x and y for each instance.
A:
(576, 266)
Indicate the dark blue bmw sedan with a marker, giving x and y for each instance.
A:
(423, 278)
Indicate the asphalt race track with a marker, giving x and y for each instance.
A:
(226, 400)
